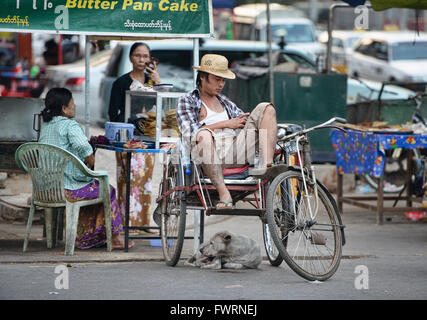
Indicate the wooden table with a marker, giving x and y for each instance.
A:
(362, 152)
(128, 164)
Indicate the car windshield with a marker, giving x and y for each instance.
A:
(351, 41)
(292, 32)
(409, 50)
(301, 61)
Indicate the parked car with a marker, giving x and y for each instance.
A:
(176, 59)
(298, 33)
(250, 23)
(390, 56)
(342, 46)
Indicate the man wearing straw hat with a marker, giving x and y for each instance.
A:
(219, 134)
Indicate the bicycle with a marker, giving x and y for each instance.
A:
(302, 215)
(282, 219)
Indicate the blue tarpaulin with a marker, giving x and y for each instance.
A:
(362, 152)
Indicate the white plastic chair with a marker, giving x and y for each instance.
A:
(45, 164)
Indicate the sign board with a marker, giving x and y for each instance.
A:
(137, 18)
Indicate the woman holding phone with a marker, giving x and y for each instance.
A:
(145, 72)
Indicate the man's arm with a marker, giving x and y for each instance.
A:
(233, 110)
(186, 116)
(187, 121)
(234, 123)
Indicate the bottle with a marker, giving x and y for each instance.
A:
(186, 163)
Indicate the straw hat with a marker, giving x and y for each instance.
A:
(216, 65)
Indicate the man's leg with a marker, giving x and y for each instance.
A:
(211, 164)
(259, 134)
(268, 134)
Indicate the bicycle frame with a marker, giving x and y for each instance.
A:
(307, 169)
(199, 186)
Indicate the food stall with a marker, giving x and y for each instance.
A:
(378, 132)
(105, 20)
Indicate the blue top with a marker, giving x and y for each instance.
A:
(68, 134)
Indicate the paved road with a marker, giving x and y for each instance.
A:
(389, 278)
(379, 262)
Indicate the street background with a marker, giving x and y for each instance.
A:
(379, 262)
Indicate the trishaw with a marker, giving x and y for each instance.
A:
(300, 220)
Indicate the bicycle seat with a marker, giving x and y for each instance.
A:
(238, 175)
(234, 173)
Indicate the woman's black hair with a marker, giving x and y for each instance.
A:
(136, 45)
(55, 99)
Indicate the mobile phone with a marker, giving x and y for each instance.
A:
(152, 63)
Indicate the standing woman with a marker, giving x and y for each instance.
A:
(141, 164)
(60, 129)
(140, 57)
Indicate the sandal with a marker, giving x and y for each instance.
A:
(227, 205)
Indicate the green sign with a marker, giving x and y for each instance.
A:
(150, 18)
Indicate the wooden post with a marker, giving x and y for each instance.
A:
(380, 201)
(409, 166)
(340, 192)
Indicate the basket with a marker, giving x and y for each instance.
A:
(111, 129)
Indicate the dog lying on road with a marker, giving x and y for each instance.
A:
(227, 250)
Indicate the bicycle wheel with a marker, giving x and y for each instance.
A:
(273, 253)
(311, 244)
(395, 171)
(173, 216)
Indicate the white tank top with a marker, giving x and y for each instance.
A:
(214, 117)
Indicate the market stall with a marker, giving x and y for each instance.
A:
(122, 19)
(377, 132)
(361, 150)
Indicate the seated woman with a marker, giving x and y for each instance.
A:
(61, 130)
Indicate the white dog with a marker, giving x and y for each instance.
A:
(227, 250)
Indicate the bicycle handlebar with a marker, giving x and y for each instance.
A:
(326, 124)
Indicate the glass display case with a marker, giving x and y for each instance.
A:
(154, 115)
(20, 122)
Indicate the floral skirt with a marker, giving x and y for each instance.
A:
(141, 171)
(91, 225)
